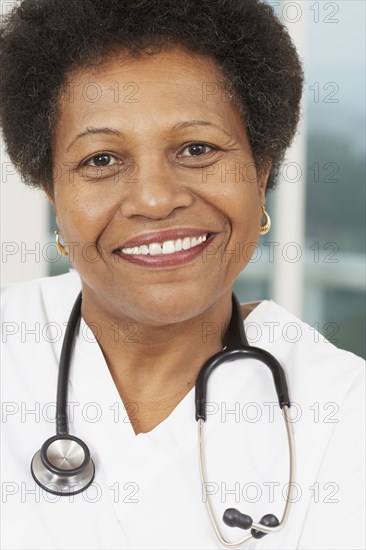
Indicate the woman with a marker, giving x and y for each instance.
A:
(133, 117)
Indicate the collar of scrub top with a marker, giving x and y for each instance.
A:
(63, 465)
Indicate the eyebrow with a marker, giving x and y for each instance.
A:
(201, 123)
(91, 130)
(115, 132)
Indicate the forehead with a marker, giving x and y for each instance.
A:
(133, 91)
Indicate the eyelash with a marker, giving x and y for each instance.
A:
(212, 147)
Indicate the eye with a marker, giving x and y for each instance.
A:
(101, 160)
(198, 149)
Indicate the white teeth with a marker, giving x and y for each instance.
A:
(155, 249)
(186, 243)
(167, 247)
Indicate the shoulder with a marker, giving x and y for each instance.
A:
(268, 323)
(43, 298)
(313, 364)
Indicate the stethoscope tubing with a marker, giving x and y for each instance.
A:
(62, 420)
(238, 348)
(246, 352)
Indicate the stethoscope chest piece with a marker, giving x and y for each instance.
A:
(63, 465)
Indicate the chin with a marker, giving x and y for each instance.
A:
(168, 308)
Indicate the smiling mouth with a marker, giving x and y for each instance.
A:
(165, 247)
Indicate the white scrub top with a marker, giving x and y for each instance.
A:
(147, 491)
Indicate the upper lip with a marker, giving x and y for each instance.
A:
(161, 236)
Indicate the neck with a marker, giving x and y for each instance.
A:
(154, 367)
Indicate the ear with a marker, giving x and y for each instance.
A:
(263, 180)
(51, 199)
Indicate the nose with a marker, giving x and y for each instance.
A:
(155, 191)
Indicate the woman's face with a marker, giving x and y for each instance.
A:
(150, 145)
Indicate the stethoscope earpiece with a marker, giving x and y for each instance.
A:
(63, 465)
(233, 518)
(269, 520)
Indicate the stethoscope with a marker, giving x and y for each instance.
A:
(63, 465)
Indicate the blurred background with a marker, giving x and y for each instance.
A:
(312, 262)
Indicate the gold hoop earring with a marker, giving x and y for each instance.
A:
(267, 225)
(61, 247)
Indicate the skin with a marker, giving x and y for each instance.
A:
(168, 308)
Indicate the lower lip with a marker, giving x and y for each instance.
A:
(166, 260)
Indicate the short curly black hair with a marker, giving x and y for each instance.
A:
(43, 41)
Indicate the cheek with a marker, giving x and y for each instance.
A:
(83, 215)
(245, 208)
(245, 220)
